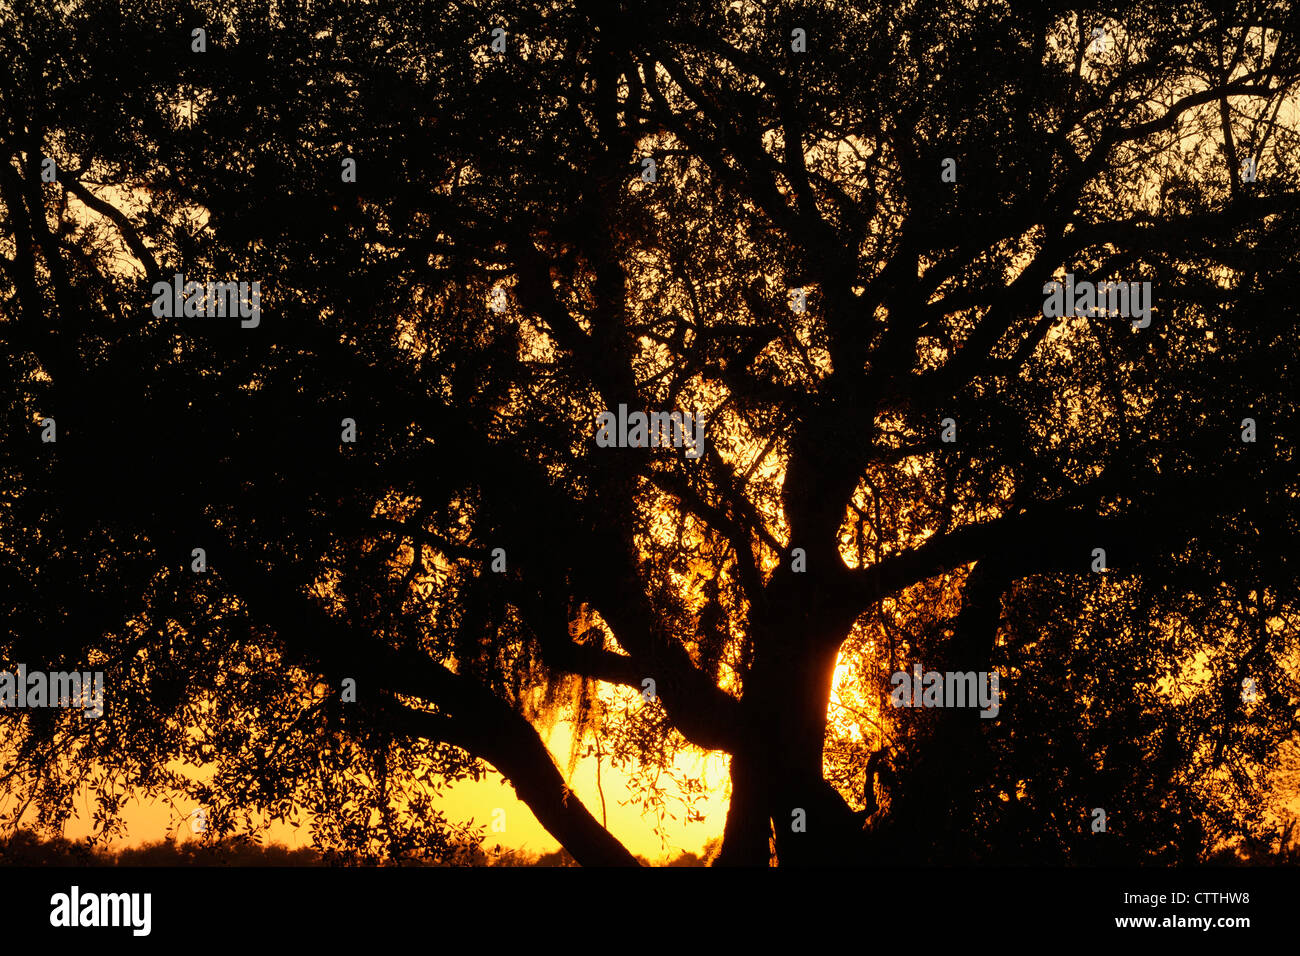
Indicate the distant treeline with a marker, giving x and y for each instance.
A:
(25, 848)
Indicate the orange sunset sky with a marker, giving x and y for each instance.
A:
(151, 820)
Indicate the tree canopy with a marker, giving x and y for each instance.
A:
(830, 231)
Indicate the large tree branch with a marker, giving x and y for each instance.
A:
(602, 561)
(511, 745)
(1051, 538)
(471, 717)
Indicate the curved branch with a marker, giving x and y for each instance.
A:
(511, 745)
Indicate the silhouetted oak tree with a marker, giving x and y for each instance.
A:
(844, 239)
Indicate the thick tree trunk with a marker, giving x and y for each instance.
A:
(777, 776)
(812, 823)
